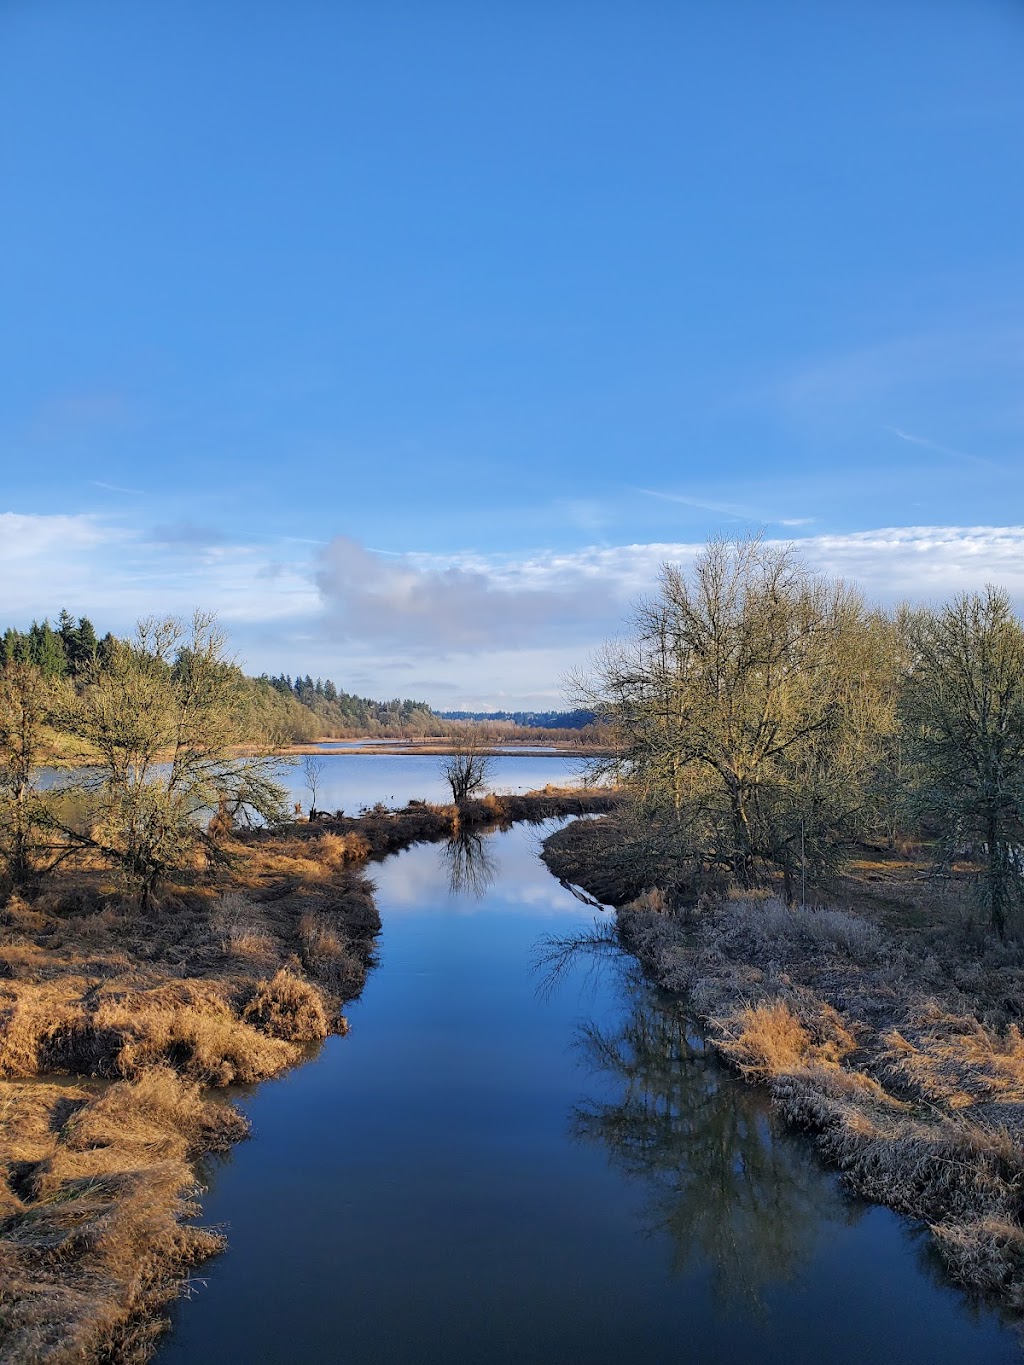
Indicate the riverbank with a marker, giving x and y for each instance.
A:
(226, 981)
(888, 1028)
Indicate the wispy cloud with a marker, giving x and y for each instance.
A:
(460, 603)
(734, 511)
(725, 509)
(943, 450)
(188, 535)
(114, 487)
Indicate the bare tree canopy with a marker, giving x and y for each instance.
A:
(162, 717)
(467, 769)
(747, 708)
(964, 713)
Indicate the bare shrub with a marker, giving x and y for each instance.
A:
(769, 930)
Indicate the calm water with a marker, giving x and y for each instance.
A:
(350, 781)
(482, 1171)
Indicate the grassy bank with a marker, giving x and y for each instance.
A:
(117, 1025)
(888, 1027)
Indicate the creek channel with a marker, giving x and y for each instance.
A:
(498, 1166)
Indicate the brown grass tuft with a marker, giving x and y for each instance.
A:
(288, 1008)
(96, 1240)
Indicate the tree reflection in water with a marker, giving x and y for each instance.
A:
(723, 1188)
(471, 869)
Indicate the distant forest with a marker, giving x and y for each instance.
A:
(538, 720)
(296, 710)
(290, 709)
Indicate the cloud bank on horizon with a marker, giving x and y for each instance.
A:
(465, 628)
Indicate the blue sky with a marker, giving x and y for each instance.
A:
(412, 338)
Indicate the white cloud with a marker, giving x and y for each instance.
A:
(115, 574)
(34, 535)
(460, 603)
(461, 630)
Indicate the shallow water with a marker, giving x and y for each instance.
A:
(487, 1171)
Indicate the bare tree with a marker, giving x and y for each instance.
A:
(964, 712)
(746, 708)
(467, 768)
(163, 716)
(471, 868)
(23, 705)
(313, 771)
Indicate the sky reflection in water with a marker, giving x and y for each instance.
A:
(485, 1170)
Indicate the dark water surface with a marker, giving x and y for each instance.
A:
(484, 1172)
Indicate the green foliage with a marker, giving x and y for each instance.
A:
(59, 653)
(337, 710)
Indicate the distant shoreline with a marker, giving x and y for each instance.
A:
(438, 747)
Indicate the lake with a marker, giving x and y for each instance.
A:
(494, 1166)
(351, 781)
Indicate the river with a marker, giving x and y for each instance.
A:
(495, 1167)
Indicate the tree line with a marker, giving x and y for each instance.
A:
(339, 709)
(767, 720)
(67, 649)
(578, 719)
(295, 711)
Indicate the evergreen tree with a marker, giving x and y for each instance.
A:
(85, 645)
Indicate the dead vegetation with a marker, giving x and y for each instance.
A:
(217, 985)
(222, 982)
(895, 1038)
(94, 1233)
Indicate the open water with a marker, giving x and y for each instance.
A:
(497, 1167)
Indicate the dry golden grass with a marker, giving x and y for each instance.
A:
(955, 1060)
(219, 985)
(94, 1237)
(767, 1039)
(289, 1009)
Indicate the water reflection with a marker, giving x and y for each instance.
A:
(721, 1190)
(470, 866)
